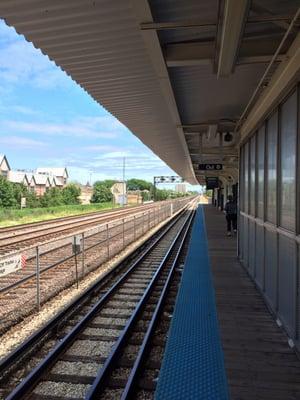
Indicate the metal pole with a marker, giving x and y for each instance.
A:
(83, 255)
(38, 290)
(123, 233)
(124, 185)
(134, 226)
(76, 263)
(107, 241)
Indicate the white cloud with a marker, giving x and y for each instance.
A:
(135, 162)
(17, 109)
(75, 128)
(100, 148)
(17, 142)
(21, 62)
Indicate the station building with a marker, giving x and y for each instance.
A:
(206, 83)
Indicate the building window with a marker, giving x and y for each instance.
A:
(246, 178)
(272, 134)
(260, 171)
(288, 134)
(252, 175)
(242, 183)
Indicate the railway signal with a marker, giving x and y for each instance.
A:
(165, 179)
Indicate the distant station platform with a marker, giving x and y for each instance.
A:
(223, 342)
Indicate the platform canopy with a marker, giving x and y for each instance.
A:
(177, 73)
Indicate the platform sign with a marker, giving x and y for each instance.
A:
(23, 202)
(212, 182)
(12, 264)
(76, 244)
(210, 167)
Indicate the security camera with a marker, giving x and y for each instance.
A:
(228, 137)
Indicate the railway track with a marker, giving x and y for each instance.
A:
(104, 348)
(16, 238)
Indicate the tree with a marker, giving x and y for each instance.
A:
(70, 194)
(162, 194)
(32, 200)
(107, 183)
(146, 195)
(52, 197)
(101, 192)
(138, 184)
(19, 191)
(7, 193)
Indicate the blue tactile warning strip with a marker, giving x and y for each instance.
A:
(193, 364)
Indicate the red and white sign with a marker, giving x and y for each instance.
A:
(12, 264)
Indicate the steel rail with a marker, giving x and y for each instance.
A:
(99, 382)
(61, 261)
(22, 349)
(68, 226)
(136, 371)
(67, 217)
(84, 216)
(13, 251)
(32, 379)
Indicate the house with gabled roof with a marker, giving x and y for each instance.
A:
(61, 174)
(18, 177)
(40, 183)
(4, 166)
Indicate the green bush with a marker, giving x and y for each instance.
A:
(101, 191)
(11, 194)
(70, 194)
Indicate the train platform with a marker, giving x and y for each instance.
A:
(223, 342)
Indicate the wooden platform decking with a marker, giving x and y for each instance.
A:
(259, 363)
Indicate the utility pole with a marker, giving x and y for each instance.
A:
(124, 184)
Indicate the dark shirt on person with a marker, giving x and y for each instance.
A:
(230, 208)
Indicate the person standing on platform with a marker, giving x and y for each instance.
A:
(231, 215)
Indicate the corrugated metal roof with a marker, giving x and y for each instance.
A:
(98, 43)
(183, 10)
(201, 96)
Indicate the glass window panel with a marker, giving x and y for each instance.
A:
(246, 177)
(288, 163)
(260, 171)
(272, 167)
(252, 175)
(241, 184)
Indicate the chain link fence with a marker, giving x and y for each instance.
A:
(57, 264)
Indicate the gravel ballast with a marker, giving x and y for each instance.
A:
(90, 348)
(110, 321)
(20, 332)
(76, 368)
(102, 332)
(62, 389)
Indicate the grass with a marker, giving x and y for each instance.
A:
(11, 217)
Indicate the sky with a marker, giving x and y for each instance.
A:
(46, 119)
